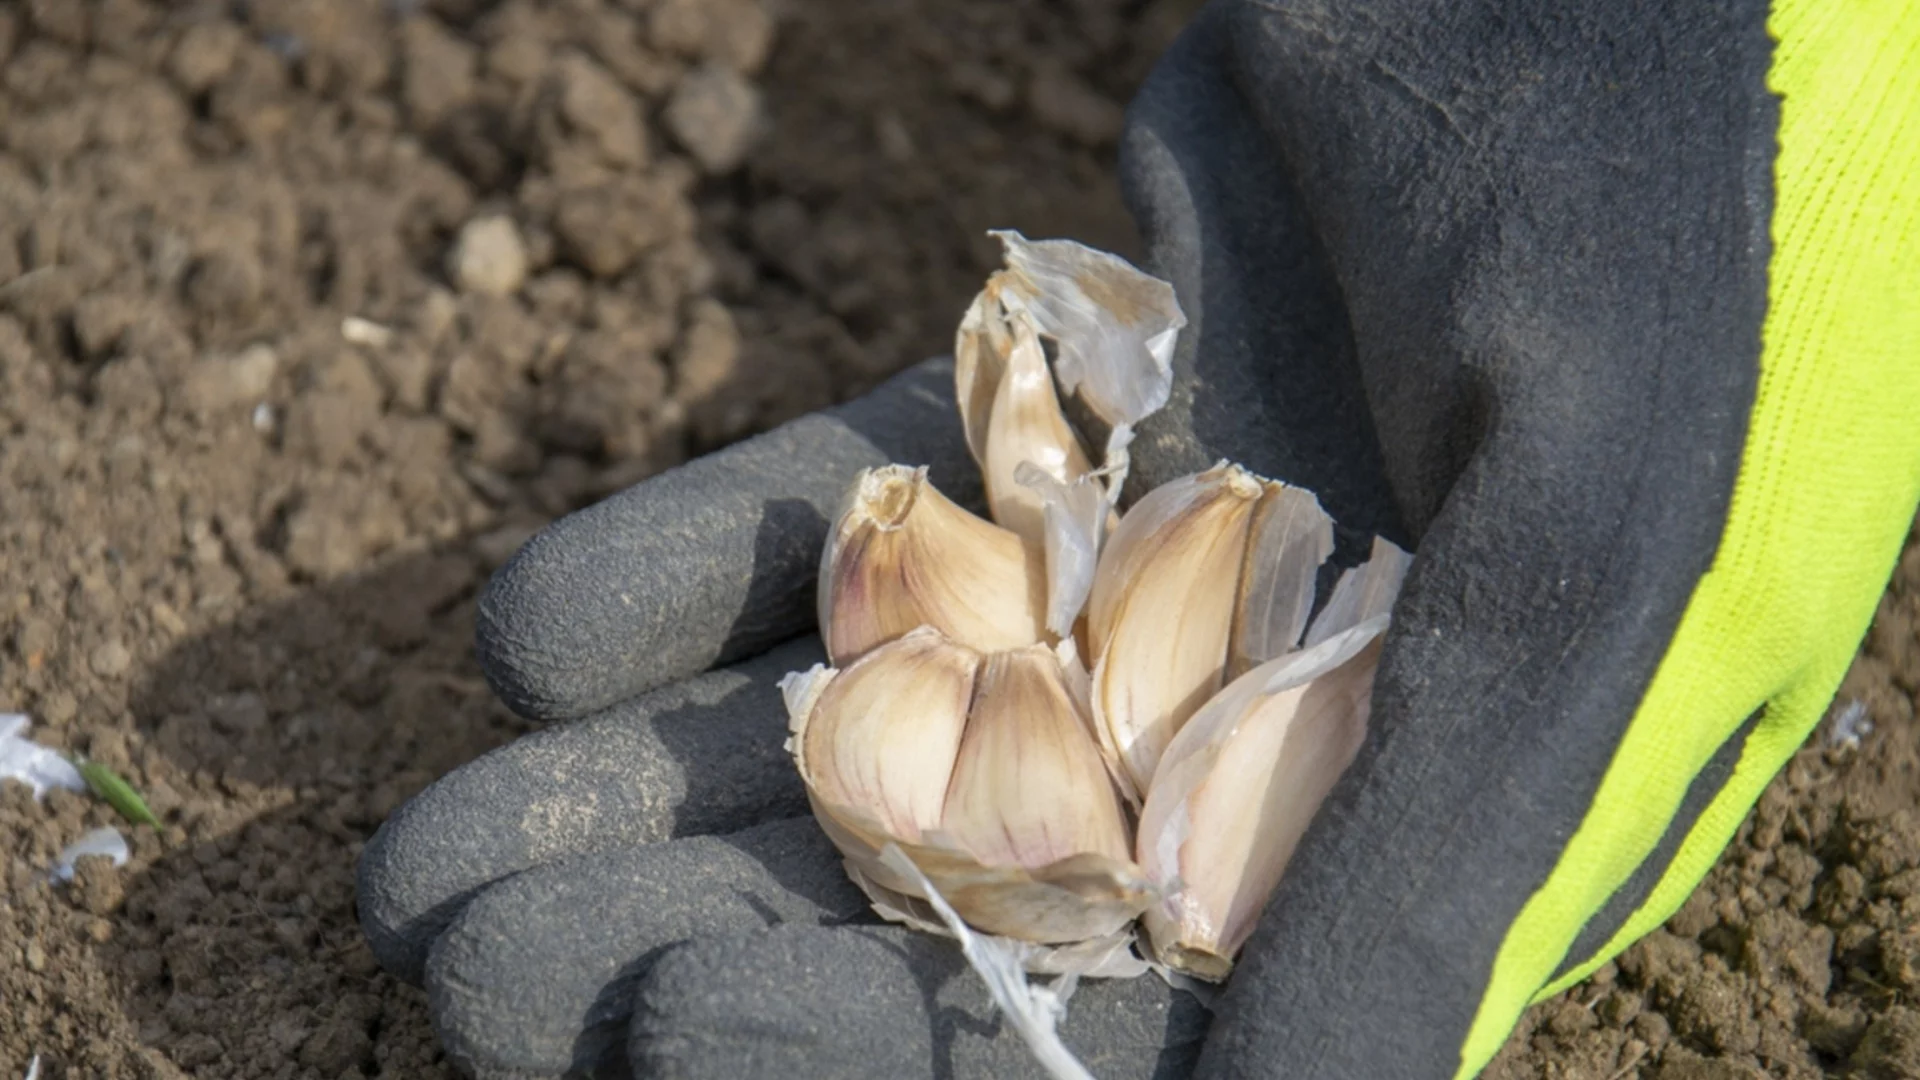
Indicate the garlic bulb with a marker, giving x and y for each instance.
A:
(902, 555)
(971, 769)
(982, 768)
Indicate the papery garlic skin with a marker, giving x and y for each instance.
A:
(1080, 902)
(902, 555)
(981, 348)
(1288, 539)
(1238, 786)
(1029, 787)
(1075, 519)
(1115, 325)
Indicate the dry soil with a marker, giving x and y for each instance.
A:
(312, 310)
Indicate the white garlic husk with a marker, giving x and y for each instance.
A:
(1115, 328)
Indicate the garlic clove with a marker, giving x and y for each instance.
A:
(871, 743)
(902, 555)
(1027, 428)
(881, 736)
(1232, 801)
(1029, 787)
(1238, 786)
(981, 348)
(1162, 610)
(1011, 412)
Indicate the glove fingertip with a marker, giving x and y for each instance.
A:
(537, 972)
(648, 585)
(704, 564)
(701, 756)
(798, 1001)
(880, 1001)
(398, 930)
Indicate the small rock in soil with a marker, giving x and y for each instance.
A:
(406, 373)
(98, 321)
(321, 544)
(110, 659)
(737, 33)
(222, 383)
(716, 115)
(709, 353)
(437, 71)
(488, 257)
(592, 105)
(32, 639)
(204, 54)
(59, 707)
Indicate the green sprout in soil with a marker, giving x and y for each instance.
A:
(117, 793)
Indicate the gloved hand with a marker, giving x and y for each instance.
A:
(1568, 302)
(656, 853)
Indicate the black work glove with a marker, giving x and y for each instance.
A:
(1490, 280)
